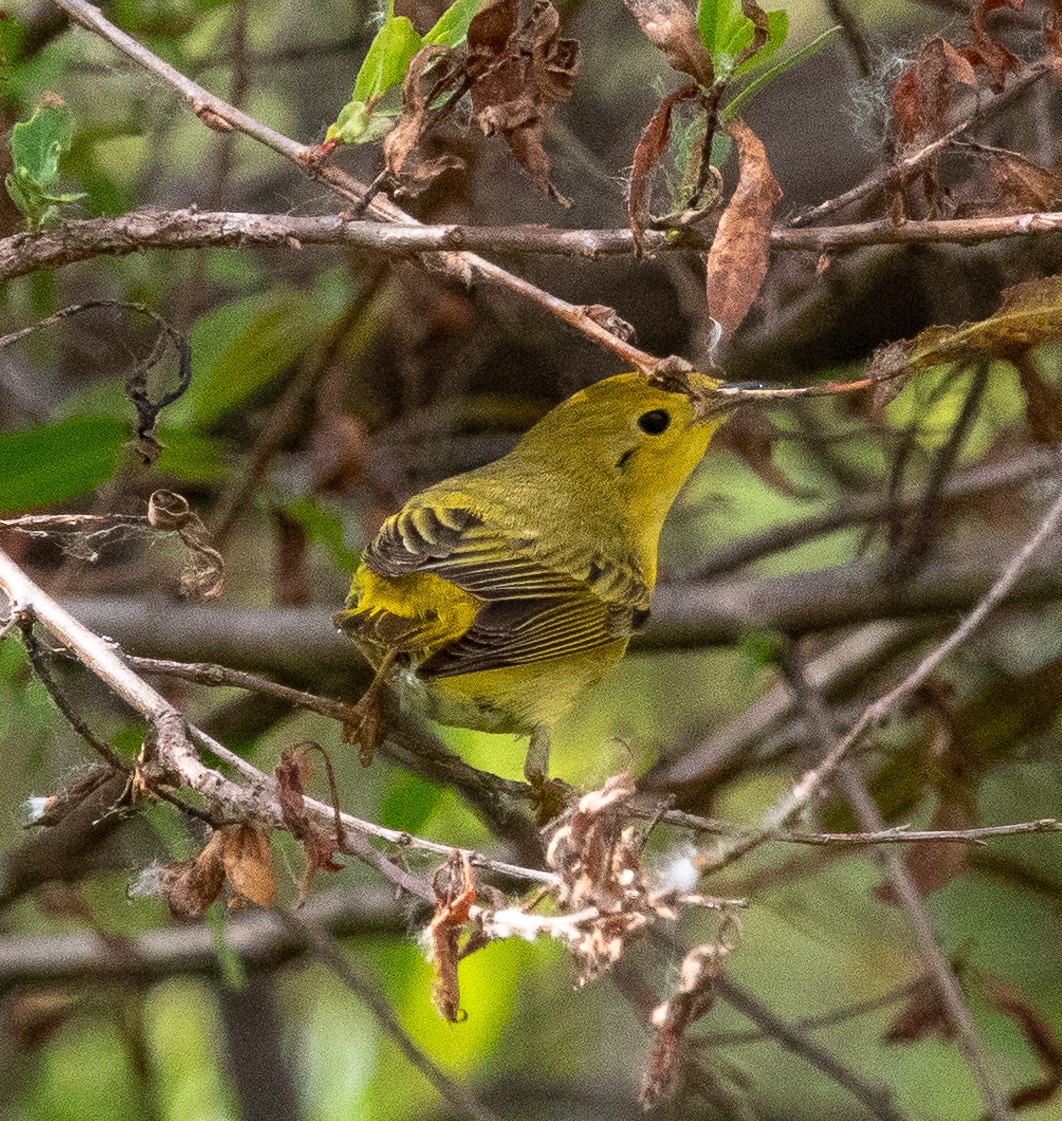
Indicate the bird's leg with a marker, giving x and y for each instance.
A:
(548, 796)
(366, 729)
(536, 765)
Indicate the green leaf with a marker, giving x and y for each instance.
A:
(37, 144)
(714, 18)
(777, 30)
(452, 26)
(50, 464)
(244, 345)
(358, 124)
(388, 59)
(757, 84)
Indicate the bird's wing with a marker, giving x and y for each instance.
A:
(534, 608)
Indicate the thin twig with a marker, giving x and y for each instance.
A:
(853, 784)
(171, 741)
(876, 1098)
(853, 35)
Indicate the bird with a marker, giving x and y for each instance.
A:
(493, 599)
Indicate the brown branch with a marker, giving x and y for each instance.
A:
(974, 111)
(685, 616)
(461, 266)
(140, 231)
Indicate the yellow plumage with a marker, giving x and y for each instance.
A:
(493, 599)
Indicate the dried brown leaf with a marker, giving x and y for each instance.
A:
(737, 261)
(1030, 314)
(671, 26)
(190, 886)
(693, 999)
(432, 71)
(519, 75)
(293, 772)
(921, 96)
(1041, 1037)
(1016, 185)
(245, 857)
(922, 1016)
(760, 32)
(650, 147)
(453, 905)
(203, 575)
(983, 50)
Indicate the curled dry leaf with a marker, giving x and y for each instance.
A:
(204, 575)
(293, 772)
(921, 96)
(1030, 314)
(433, 71)
(190, 886)
(245, 858)
(453, 906)
(761, 30)
(519, 75)
(650, 147)
(693, 999)
(983, 50)
(1010, 184)
(737, 261)
(52, 810)
(1041, 1037)
(671, 26)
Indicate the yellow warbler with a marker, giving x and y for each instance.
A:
(493, 599)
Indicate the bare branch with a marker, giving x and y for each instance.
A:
(793, 805)
(171, 230)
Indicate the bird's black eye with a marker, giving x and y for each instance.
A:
(654, 422)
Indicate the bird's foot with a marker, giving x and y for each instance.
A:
(364, 728)
(549, 796)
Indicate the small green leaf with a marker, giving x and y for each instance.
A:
(717, 21)
(452, 26)
(388, 59)
(357, 124)
(37, 144)
(50, 464)
(757, 84)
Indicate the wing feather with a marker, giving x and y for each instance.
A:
(534, 606)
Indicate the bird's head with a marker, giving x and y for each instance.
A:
(633, 437)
